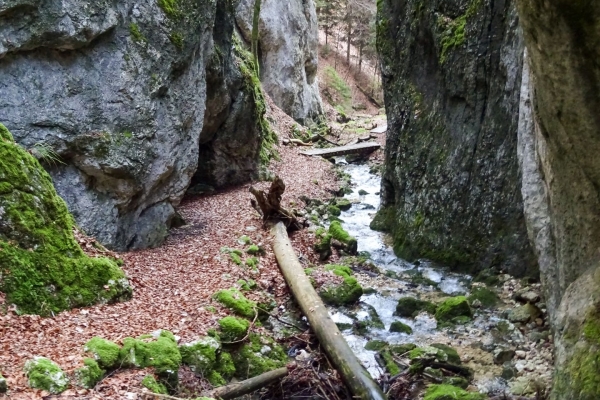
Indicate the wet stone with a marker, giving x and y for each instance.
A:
(502, 355)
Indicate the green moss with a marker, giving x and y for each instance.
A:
(343, 204)
(375, 345)
(348, 292)
(150, 383)
(245, 240)
(451, 353)
(260, 355)
(136, 34)
(456, 381)
(215, 378)
(90, 374)
(337, 90)
(44, 374)
(390, 364)
(398, 326)
(337, 232)
(402, 349)
(170, 8)
(235, 300)
(409, 307)
(453, 308)
(254, 250)
(333, 210)
(160, 352)
(454, 32)
(252, 262)
(235, 258)
(105, 352)
(177, 39)
(340, 270)
(225, 365)
(233, 328)
(42, 266)
(323, 247)
(487, 297)
(449, 392)
(200, 355)
(248, 285)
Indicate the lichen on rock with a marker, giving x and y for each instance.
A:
(43, 373)
(43, 269)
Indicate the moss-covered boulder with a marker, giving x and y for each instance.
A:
(348, 292)
(451, 353)
(449, 392)
(343, 204)
(233, 328)
(201, 354)
(158, 350)
(225, 366)
(236, 301)
(338, 233)
(409, 307)
(455, 309)
(486, 297)
(105, 352)
(150, 383)
(323, 246)
(400, 327)
(90, 374)
(43, 373)
(259, 355)
(42, 266)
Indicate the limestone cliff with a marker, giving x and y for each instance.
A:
(560, 144)
(118, 90)
(451, 186)
(287, 45)
(42, 268)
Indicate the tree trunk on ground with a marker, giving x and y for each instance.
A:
(239, 389)
(354, 374)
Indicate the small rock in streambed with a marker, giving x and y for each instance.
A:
(502, 355)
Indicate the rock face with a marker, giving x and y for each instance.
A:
(561, 180)
(288, 44)
(42, 267)
(118, 90)
(451, 185)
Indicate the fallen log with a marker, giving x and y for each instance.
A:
(269, 204)
(239, 389)
(233, 390)
(353, 373)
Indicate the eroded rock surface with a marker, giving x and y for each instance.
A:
(288, 44)
(118, 90)
(451, 186)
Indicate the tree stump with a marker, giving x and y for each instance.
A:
(269, 205)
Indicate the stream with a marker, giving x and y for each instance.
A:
(473, 340)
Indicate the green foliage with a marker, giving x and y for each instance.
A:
(45, 153)
(235, 300)
(449, 392)
(233, 328)
(136, 34)
(105, 352)
(400, 327)
(170, 8)
(44, 374)
(177, 39)
(452, 309)
(409, 307)
(150, 383)
(90, 374)
(337, 90)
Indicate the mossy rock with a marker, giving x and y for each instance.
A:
(348, 292)
(225, 365)
(454, 310)
(334, 211)
(159, 351)
(323, 247)
(200, 355)
(233, 328)
(44, 270)
(43, 373)
(400, 327)
(428, 352)
(236, 301)
(215, 378)
(254, 250)
(524, 314)
(449, 392)
(90, 374)
(487, 297)
(375, 345)
(338, 233)
(259, 355)
(343, 204)
(150, 383)
(105, 352)
(390, 365)
(451, 353)
(401, 349)
(409, 307)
